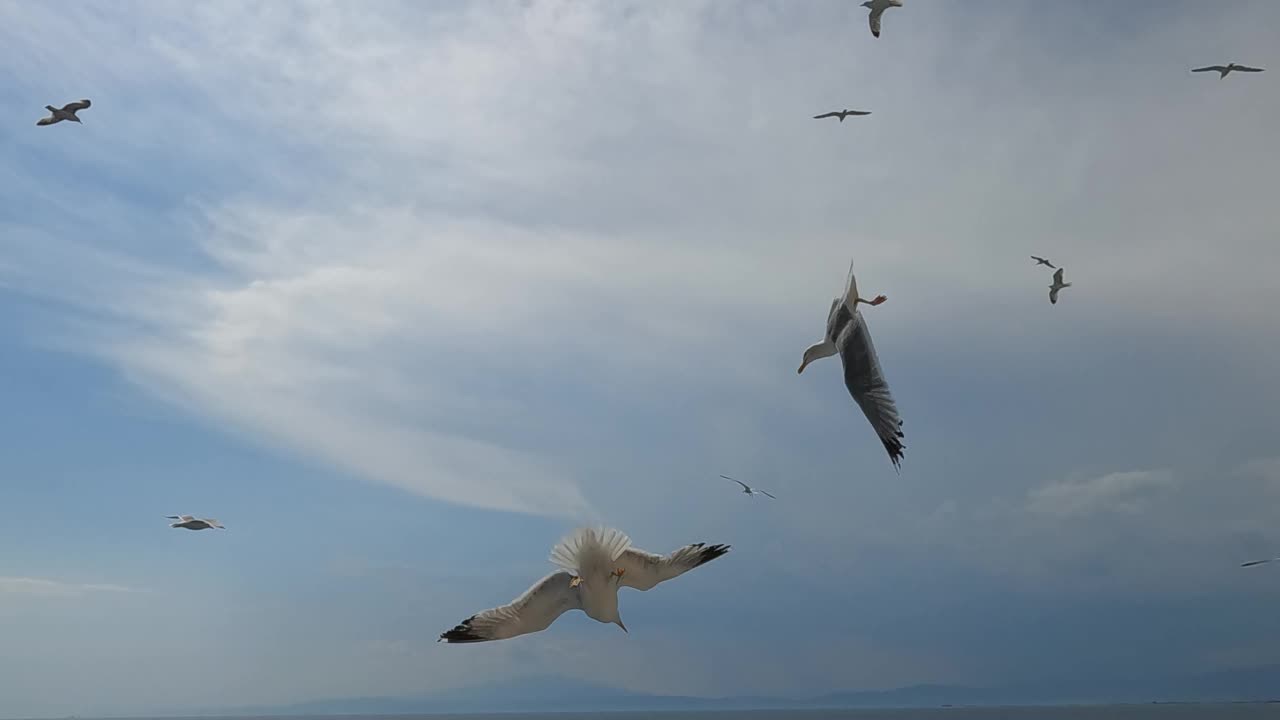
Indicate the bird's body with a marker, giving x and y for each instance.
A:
(194, 523)
(66, 112)
(1225, 70)
(875, 9)
(847, 335)
(842, 114)
(1042, 261)
(747, 489)
(594, 564)
(1056, 286)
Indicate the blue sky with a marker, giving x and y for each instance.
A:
(403, 292)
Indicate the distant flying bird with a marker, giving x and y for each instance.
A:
(192, 523)
(1259, 562)
(68, 112)
(595, 563)
(1042, 261)
(877, 8)
(1056, 286)
(847, 335)
(1224, 70)
(747, 489)
(842, 114)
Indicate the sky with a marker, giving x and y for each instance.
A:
(403, 292)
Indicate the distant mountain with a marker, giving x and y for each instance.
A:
(557, 694)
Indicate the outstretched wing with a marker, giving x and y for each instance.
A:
(533, 611)
(76, 106)
(1246, 68)
(1258, 562)
(744, 485)
(1053, 295)
(1209, 68)
(1057, 277)
(766, 494)
(866, 383)
(874, 19)
(826, 115)
(643, 570)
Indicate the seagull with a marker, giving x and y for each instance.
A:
(747, 489)
(68, 112)
(1224, 70)
(842, 114)
(594, 564)
(877, 8)
(1259, 562)
(1042, 261)
(191, 523)
(847, 335)
(1056, 286)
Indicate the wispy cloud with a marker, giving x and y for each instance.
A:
(53, 588)
(1121, 492)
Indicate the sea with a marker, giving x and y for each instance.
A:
(1154, 711)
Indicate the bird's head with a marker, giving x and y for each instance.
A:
(815, 352)
(866, 4)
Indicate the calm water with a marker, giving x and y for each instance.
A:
(1256, 711)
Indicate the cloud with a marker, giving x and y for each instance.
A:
(42, 587)
(1119, 492)
(430, 239)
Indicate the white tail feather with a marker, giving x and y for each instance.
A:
(588, 551)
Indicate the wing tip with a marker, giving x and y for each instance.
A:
(893, 445)
(711, 552)
(463, 632)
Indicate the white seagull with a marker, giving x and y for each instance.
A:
(847, 335)
(1042, 261)
(1225, 70)
(747, 489)
(595, 563)
(192, 523)
(1056, 286)
(842, 114)
(1251, 563)
(67, 112)
(877, 8)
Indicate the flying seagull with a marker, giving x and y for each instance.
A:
(594, 564)
(747, 489)
(1042, 261)
(842, 114)
(68, 112)
(1259, 562)
(877, 8)
(192, 523)
(1224, 70)
(847, 335)
(1056, 286)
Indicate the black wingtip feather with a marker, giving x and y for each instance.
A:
(894, 446)
(711, 552)
(462, 633)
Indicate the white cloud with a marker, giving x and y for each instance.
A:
(1118, 492)
(446, 212)
(43, 587)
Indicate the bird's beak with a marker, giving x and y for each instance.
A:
(624, 627)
